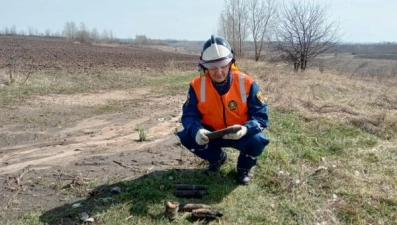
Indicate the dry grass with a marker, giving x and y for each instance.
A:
(332, 157)
(369, 103)
(363, 181)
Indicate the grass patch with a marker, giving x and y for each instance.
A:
(173, 83)
(288, 188)
(313, 139)
(142, 134)
(44, 84)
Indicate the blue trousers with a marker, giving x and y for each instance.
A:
(250, 147)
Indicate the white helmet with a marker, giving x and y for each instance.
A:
(216, 53)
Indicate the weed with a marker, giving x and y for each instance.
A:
(142, 134)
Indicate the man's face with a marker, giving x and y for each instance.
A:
(219, 74)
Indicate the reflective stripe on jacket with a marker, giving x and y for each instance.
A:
(221, 111)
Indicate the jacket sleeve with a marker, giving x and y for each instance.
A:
(191, 117)
(257, 111)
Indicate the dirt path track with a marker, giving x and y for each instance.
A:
(52, 142)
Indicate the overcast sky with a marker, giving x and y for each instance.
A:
(360, 20)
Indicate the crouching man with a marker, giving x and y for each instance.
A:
(222, 96)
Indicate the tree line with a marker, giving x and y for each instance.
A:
(83, 34)
(296, 30)
(12, 31)
(70, 31)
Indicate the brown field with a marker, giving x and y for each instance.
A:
(54, 55)
(378, 56)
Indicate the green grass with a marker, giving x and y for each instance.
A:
(313, 139)
(142, 134)
(336, 194)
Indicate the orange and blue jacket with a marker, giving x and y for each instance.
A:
(215, 107)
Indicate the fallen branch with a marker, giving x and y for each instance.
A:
(11, 199)
(18, 180)
(121, 164)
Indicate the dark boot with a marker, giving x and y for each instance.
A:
(215, 167)
(243, 176)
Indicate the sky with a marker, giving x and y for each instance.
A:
(360, 21)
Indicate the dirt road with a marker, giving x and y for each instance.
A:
(38, 161)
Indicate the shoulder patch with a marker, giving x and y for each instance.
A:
(260, 97)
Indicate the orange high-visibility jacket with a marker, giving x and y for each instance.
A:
(221, 111)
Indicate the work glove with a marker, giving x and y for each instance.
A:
(239, 134)
(201, 137)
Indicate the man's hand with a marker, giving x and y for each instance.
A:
(201, 137)
(239, 134)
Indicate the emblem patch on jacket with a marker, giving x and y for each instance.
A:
(260, 97)
(232, 105)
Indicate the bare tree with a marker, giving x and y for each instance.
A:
(111, 36)
(225, 25)
(141, 40)
(262, 15)
(83, 34)
(94, 35)
(107, 36)
(31, 31)
(70, 30)
(6, 31)
(304, 32)
(13, 30)
(233, 24)
(47, 32)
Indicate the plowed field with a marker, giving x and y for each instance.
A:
(58, 54)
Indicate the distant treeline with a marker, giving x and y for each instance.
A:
(385, 50)
(369, 49)
(83, 34)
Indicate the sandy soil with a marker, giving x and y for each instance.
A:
(38, 162)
